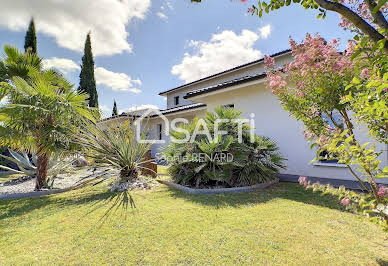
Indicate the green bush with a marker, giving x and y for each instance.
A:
(204, 163)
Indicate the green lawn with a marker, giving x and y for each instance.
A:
(162, 169)
(283, 224)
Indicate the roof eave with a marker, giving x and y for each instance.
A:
(261, 60)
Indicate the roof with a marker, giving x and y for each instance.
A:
(181, 108)
(226, 71)
(164, 112)
(223, 85)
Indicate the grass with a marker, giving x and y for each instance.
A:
(282, 224)
(162, 169)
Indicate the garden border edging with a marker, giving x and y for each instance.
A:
(218, 190)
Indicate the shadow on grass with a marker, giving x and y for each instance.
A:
(116, 203)
(119, 201)
(111, 201)
(382, 262)
(289, 191)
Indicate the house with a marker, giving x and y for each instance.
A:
(243, 87)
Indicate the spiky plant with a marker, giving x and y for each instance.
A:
(17, 64)
(114, 145)
(42, 112)
(27, 166)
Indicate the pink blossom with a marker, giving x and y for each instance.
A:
(303, 181)
(345, 201)
(365, 73)
(334, 42)
(383, 191)
(269, 62)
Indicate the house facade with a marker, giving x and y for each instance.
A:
(243, 88)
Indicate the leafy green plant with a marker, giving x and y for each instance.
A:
(114, 145)
(42, 112)
(361, 203)
(333, 94)
(223, 161)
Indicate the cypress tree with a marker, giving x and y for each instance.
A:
(114, 112)
(87, 82)
(30, 39)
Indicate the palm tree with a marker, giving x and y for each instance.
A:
(18, 64)
(42, 111)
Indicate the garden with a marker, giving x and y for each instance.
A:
(111, 207)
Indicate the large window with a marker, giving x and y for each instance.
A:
(176, 100)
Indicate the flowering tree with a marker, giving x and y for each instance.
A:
(367, 17)
(321, 88)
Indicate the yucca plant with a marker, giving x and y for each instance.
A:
(114, 145)
(42, 112)
(27, 166)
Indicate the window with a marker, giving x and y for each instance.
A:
(176, 100)
(159, 131)
(338, 119)
(229, 105)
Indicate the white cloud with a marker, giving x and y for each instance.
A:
(224, 50)
(116, 81)
(105, 111)
(62, 64)
(169, 5)
(162, 15)
(265, 31)
(69, 21)
(138, 108)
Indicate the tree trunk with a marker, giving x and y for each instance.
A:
(41, 176)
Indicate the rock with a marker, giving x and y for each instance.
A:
(81, 161)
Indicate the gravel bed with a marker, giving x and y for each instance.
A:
(65, 180)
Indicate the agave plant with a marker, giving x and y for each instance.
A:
(28, 167)
(114, 145)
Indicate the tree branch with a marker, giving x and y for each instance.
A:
(359, 22)
(378, 17)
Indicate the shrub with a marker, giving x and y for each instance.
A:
(223, 161)
(361, 203)
(113, 145)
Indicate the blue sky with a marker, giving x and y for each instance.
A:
(143, 47)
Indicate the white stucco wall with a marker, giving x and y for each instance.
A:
(274, 122)
(246, 71)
